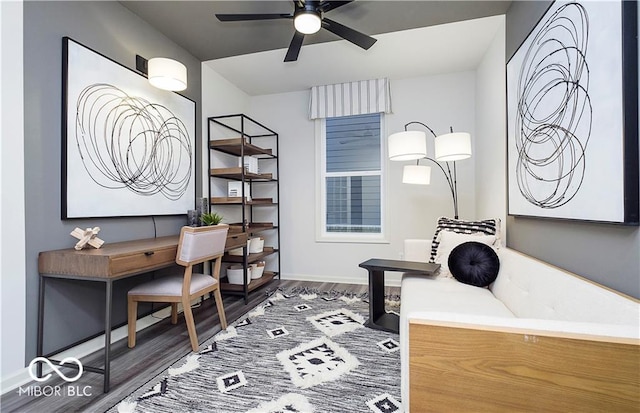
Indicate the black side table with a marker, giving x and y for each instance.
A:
(379, 319)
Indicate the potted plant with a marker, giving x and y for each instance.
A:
(210, 218)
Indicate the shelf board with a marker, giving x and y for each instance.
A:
(250, 257)
(233, 146)
(252, 227)
(236, 173)
(267, 276)
(255, 231)
(237, 200)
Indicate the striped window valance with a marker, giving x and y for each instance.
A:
(352, 98)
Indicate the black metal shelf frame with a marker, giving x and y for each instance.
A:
(247, 208)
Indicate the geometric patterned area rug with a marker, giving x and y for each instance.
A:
(299, 351)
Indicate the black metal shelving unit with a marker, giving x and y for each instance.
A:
(249, 138)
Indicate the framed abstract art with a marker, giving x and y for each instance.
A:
(572, 115)
(128, 148)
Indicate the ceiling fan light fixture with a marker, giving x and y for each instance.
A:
(307, 22)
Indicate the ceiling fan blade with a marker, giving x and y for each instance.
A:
(294, 47)
(247, 17)
(326, 6)
(347, 33)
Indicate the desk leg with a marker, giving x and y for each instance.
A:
(379, 319)
(376, 294)
(107, 335)
(40, 339)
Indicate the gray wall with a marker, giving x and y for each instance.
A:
(605, 253)
(74, 310)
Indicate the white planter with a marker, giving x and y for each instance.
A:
(257, 270)
(235, 274)
(256, 245)
(238, 251)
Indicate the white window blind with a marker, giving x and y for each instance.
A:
(348, 99)
(352, 175)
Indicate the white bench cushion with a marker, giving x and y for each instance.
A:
(172, 285)
(420, 293)
(534, 289)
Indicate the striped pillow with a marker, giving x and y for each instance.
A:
(485, 226)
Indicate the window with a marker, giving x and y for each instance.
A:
(351, 178)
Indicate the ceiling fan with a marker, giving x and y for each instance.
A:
(308, 18)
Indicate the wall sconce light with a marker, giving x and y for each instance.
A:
(412, 145)
(163, 73)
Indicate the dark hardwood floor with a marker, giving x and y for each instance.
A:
(157, 347)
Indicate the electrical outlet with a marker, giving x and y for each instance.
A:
(401, 255)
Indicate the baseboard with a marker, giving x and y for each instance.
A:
(390, 280)
(21, 377)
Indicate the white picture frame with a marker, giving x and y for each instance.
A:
(572, 115)
(128, 147)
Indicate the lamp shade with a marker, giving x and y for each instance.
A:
(453, 146)
(167, 74)
(407, 146)
(307, 22)
(416, 174)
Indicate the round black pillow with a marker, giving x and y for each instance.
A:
(474, 263)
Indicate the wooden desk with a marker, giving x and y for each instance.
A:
(110, 263)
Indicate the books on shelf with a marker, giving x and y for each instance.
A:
(234, 189)
(250, 164)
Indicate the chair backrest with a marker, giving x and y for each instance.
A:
(200, 244)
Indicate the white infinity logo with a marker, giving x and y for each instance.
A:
(56, 369)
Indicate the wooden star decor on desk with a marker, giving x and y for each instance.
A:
(88, 236)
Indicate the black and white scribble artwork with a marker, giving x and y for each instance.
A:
(553, 115)
(565, 126)
(130, 148)
(129, 142)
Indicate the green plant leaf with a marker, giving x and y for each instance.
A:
(211, 218)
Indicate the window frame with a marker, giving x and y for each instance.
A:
(321, 191)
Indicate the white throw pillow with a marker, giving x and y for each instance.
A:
(485, 226)
(449, 240)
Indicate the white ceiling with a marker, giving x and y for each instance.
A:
(445, 48)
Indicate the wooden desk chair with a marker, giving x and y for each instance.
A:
(196, 246)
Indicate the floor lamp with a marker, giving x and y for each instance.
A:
(449, 148)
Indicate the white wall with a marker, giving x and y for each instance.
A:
(490, 148)
(440, 102)
(12, 230)
(219, 97)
